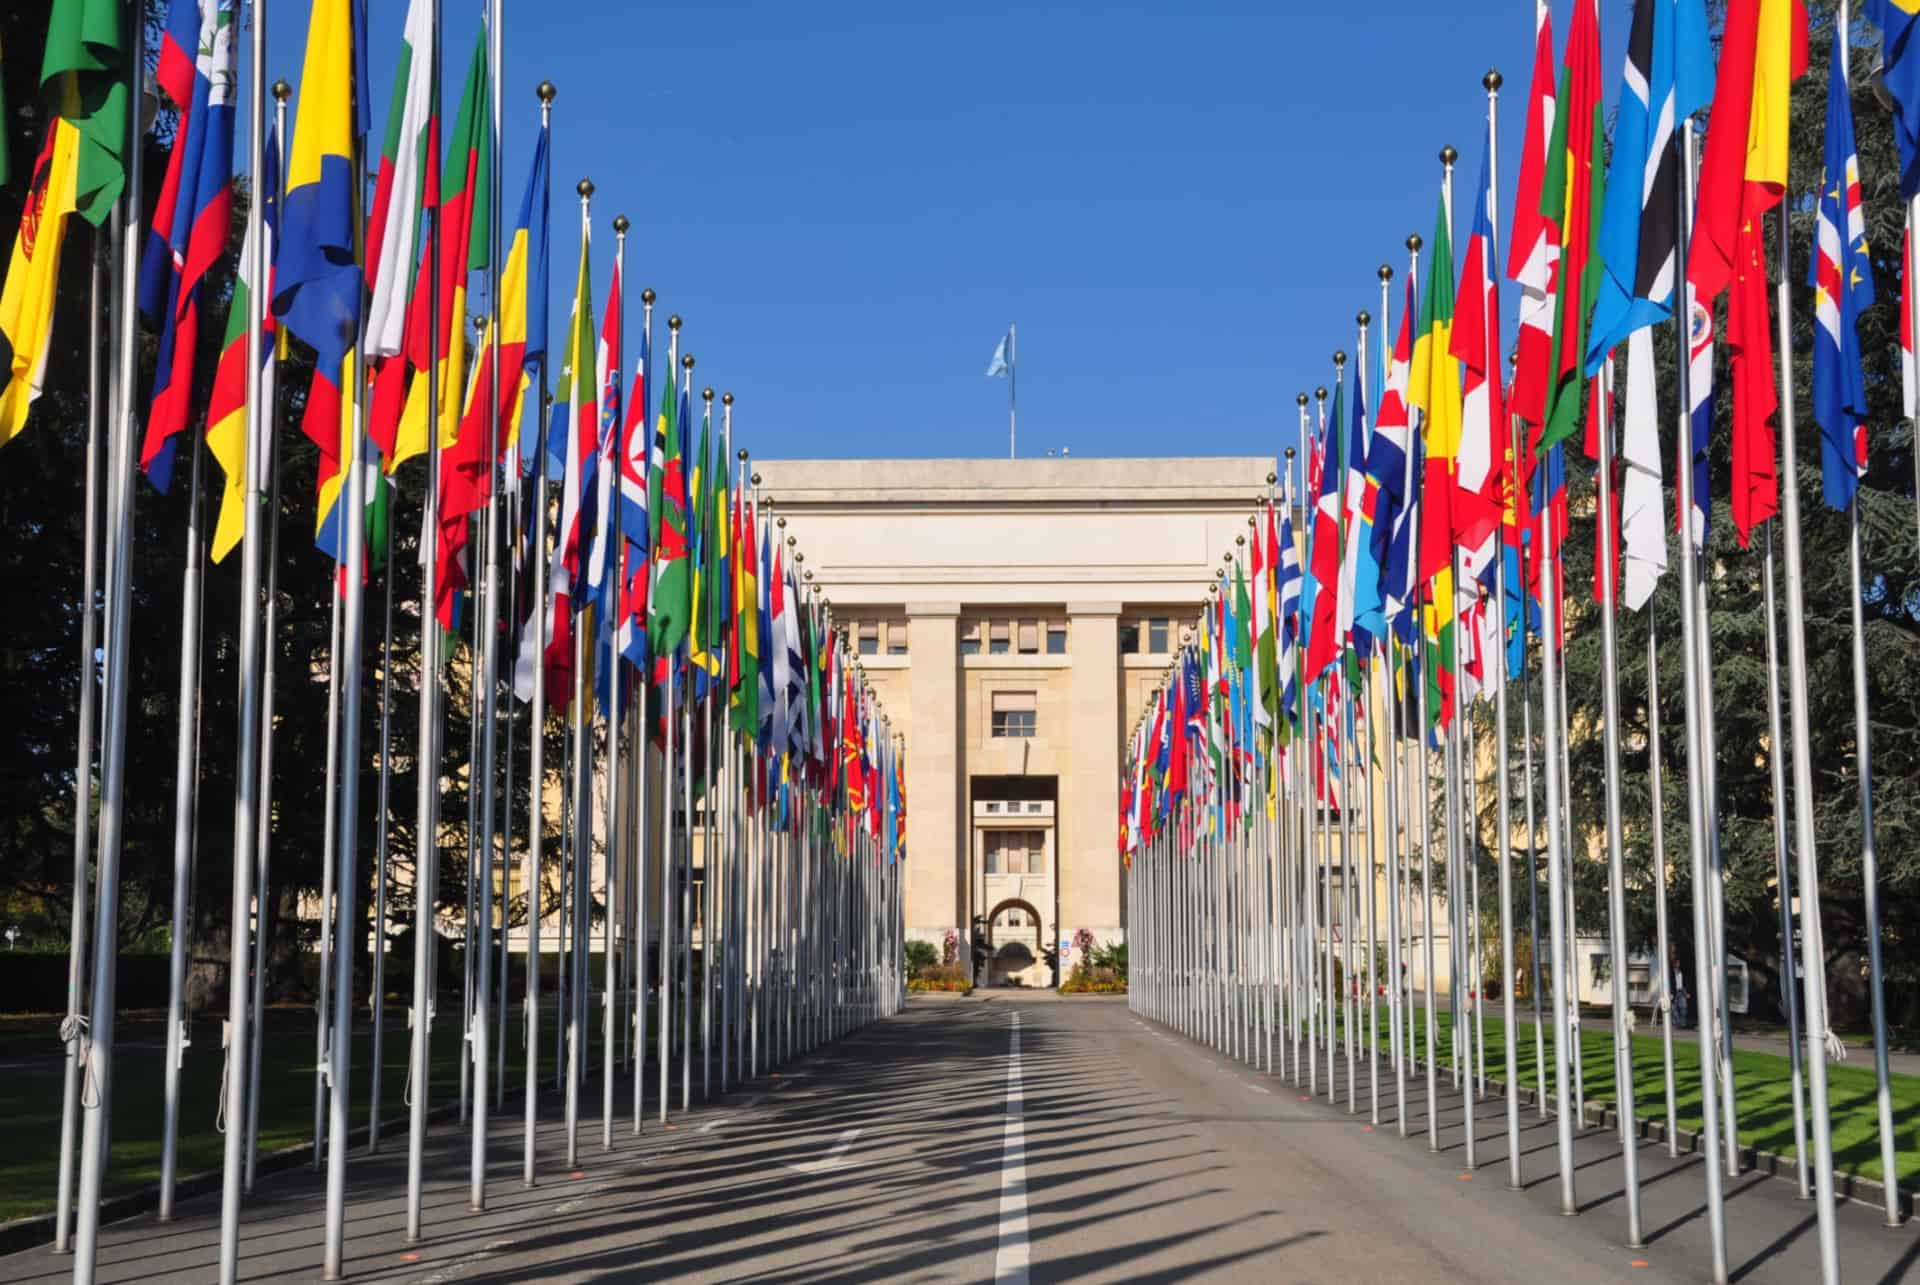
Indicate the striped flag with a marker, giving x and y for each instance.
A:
(1842, 280)
(1533, 252)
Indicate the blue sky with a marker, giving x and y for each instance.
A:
(1182, 205)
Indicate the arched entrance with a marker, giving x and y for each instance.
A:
(1015, 953)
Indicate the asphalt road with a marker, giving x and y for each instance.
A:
(923, 1148)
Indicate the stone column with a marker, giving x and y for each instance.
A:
(936, 850)
(1089, 857)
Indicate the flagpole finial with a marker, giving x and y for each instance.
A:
(1492, 81)
(282, 91)
(620, 225)
(706, 394)
(1273, 477)
(1320, 393)
(673, 322)
(726, 399)
(756, 482)
(686, 362)
(1448, 156)
(1339, 358)
(1386, 273)
(1300, 401)
(545, 91)
(647, 296)
(1270, 477)
(779, 522)
(1241, 540)
(1414, 242)
(585, 188)
(1363, 318)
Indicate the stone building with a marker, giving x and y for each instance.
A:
(1014, 616)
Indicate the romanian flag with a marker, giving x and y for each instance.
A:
(1434, 388)
(317, 280)
(227, 406)
(33, 275)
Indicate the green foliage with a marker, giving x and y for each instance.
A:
(921, 955)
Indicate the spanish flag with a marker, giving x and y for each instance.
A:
(33, 275)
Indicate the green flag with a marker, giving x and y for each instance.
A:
(84, 79)
(667, 598)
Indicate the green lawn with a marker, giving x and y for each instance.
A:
(1762, 1083)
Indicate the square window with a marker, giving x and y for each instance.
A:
(1029, 638)
(999, 638)
(970, 639)
(1157, 636)
(1014, 715)
(869, 638)
(896, 638)
(1056, 640)
(1129, 638)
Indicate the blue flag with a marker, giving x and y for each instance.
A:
(1900, 72)
(1842, 280)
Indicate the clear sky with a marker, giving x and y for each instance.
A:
(1182, 205)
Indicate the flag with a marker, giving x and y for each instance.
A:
(1387, 461)
(227, 405)
(1435, 386)
(1533, 248)
(1699, 413)
(1287, 587)
(317, 279)
(604, 547)
(1480, 456)
(668, 596)
(564, 579)
(1743, 169)
(465, 232)
(1002, 363)
(33, 276)
(635, 522)
(1900, 73)
(83, 77)
(1842, 279)
(1755, 487)
(1354, 507)
(1266, 672)
(745, 707)
(1643, 532)
(1321, 592)
(406, 166)
(1909, 377)
(1668, 77)
(1571, 196)
(192, 216)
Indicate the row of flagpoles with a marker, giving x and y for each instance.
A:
(667, 620)
(1328, 730)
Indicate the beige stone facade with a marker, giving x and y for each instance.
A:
(1013, 616)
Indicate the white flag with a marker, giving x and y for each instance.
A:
(1000, 365)
(1643, 531)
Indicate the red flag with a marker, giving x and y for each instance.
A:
(1534, 248)
(1756, 490)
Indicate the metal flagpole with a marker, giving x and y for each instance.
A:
(1658, 803)
(613, 577)
(1565, 1015)
(579, 838)
(329, 843)
(72, 1028)
(1616, 875)
(185, 805)
(1503, 790)
(1012, 376)
(1696, 749)
(378, 999)
(1533, 840)
(687, 825)
(1776, 743)
(667, 849)
(353, 522)
(250, 768)
(1812, 958)
(94, 1051)
(642, 834)
(537, 731)
(426, 868)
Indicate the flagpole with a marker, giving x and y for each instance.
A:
(612, 456)
(98, 1057)
(669, 974)
(379, 995)
(185, 805)
(637, 719)
(537, 725)
(1783, 878)
(329, 842)
(687, 823)
(1616, 875)
(72, 1028)
(1012, 377)
(427, 740)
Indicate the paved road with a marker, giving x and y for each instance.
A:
(923, 1149)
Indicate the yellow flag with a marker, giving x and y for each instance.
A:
(33, 275)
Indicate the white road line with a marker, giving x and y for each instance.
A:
(832, 1160)
(1011, 1259)
(711, 1125)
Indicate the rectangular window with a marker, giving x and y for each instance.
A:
(1157, 636)
(1014, 715)
(1056, 640)
(970, 639)
(869, 638)
(1029, 638)
(896, 638)
(1129, 638)
(1016, 852)
(999, 638)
